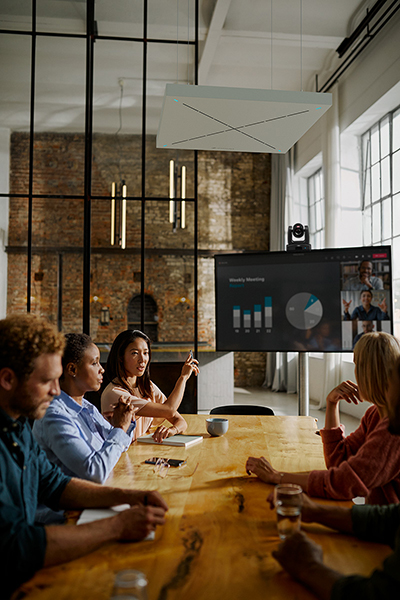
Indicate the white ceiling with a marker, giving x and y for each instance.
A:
(239, 46)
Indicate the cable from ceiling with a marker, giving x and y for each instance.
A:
(301, 45)
(272, 86)
(371, 33)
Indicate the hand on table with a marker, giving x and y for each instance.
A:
(347, 390)
(145, 497)
(309, 508)
(297, 554)
(137, 522)
(262, 468)
(162, 432)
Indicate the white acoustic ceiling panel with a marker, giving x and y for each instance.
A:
(200, 117)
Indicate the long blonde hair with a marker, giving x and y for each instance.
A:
(375, 355)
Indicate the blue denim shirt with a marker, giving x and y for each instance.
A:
(374, 314)
(80, 440)
(26, 478)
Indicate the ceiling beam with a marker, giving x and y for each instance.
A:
(214, 33)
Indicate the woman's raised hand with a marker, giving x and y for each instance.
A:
(347, 390)
(191, 365)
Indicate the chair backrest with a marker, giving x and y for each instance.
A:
(241, 409)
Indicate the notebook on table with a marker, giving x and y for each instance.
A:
(177, 440)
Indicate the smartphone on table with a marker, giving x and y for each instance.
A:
(173, 462)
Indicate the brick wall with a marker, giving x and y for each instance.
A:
(234, 192)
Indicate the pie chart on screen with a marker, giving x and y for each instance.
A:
(304, 310)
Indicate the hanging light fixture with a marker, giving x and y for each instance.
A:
(176, 178)
(105, 316)
(119, 192)
(118, 214)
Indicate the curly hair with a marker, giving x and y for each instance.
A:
(23, 338)
(76, 345)
(115, 363)
(375, 355)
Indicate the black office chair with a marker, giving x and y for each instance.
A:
(241, 409)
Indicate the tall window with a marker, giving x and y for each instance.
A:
(316, 210)
(381, 193)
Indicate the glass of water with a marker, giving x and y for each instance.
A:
(288, 503)
(130, 584)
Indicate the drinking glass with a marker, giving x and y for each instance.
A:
(130, 584)
(288, 503)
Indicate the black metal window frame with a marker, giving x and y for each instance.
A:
(91, 36)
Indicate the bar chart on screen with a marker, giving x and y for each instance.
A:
(248, 318)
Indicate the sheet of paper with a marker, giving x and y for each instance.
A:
(95, 514)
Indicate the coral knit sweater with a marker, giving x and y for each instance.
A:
(365, 463)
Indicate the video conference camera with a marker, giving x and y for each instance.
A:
(295, 244)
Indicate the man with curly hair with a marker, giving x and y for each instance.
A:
(30, 365)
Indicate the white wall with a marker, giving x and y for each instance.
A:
(317, 369)
(371, 77)
(4, 208)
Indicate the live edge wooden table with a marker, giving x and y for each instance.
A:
(219, 532)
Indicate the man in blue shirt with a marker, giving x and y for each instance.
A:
(30, 365)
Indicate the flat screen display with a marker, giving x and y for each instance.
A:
(315, 301)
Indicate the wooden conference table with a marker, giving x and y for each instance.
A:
(219, 534)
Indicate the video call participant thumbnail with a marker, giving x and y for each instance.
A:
(366, 311)
(364, 280)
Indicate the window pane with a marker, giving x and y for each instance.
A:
(318, 209)
(375, 144)
(385, 176)
(396, 172)
(120, 18)
(311, 191)
(367, 188)
(61, 17)
(386, 218)
(367, 227)
(318, 190)
(311, 213)
(385, 146)
(376, 184)
(366, 151)
(15, 50)
(117, 116)
(16, 14)
(396, 215)
(396, 131)
(165, 21)
(396, 254)
(376, 223)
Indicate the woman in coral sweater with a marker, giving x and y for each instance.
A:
(367, 462)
